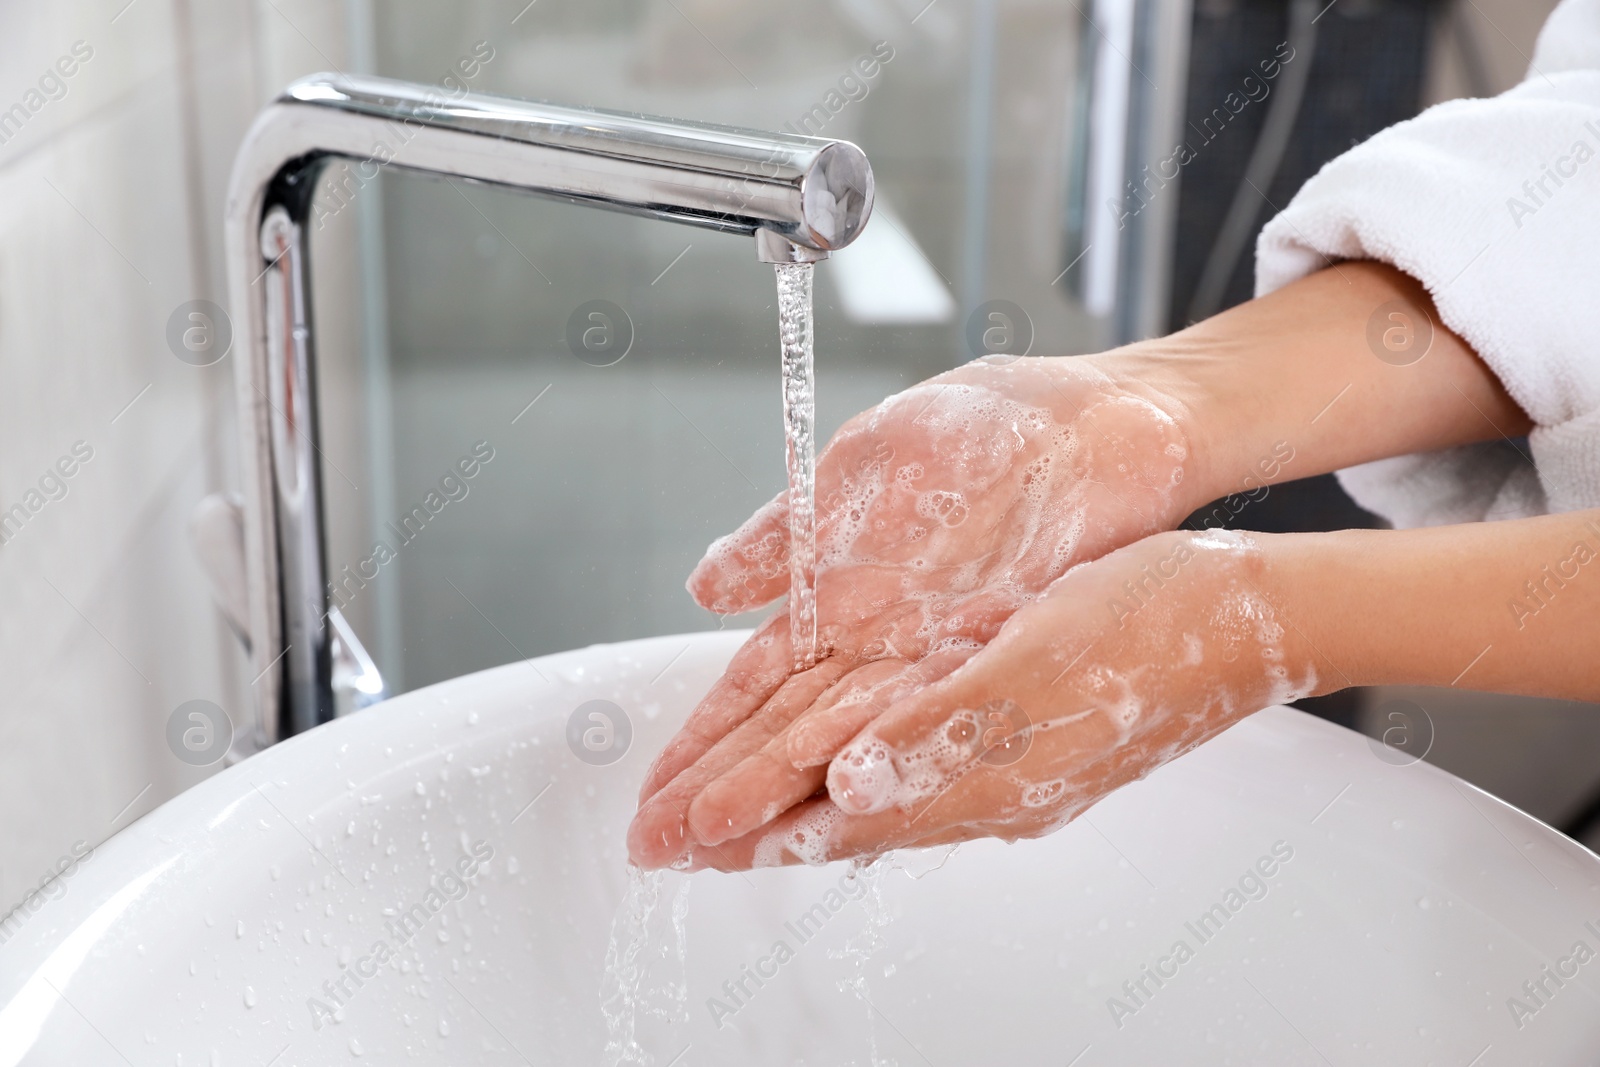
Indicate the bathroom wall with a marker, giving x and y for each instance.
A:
(1483, 47)
(111, 195)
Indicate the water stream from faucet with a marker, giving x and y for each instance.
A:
(799, 429)
(626, 962)
(628, 955)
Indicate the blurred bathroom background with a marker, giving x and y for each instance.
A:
(447, 314)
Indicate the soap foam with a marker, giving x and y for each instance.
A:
(1232, 660)
(809, 837)
(924, 460)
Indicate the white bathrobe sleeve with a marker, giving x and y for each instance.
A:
(1494, 205)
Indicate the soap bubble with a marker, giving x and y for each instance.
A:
(199, 732)
(599, 732)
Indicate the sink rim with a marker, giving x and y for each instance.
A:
(328, 763)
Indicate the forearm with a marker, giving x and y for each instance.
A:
(1506, 607)
(1295, 373)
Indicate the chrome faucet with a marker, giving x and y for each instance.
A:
(800, 197)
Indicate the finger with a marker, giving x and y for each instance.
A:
(784, 842)
(761, 665)
(749, 567)
(771, 780)
(984, 803)
(841, 713)
(845, 711)
(660, 828)
(1037, 795)
(754, 792)
(766, 782)
(817, 832)
(917, 748)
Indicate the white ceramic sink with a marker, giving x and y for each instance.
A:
(1402, 911)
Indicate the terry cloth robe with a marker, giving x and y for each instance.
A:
(1494, 205)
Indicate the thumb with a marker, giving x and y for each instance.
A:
(749, 567)
(925, 743)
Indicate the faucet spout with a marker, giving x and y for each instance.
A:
(814, 192)
(800, 197)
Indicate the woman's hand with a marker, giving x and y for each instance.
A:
(1125, 663)
(940, 513)
(917, 576)
(1139, 656)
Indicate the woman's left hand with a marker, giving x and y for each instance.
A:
(1125, 663)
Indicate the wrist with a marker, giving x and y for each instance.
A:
(1289, 385)
(1186, 378)
(1231, 620)
(1307, 582)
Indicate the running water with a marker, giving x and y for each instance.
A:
(799, 429)
(860, 950)
(626, 962)
(628, 992)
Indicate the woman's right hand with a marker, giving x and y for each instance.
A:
(941, 512)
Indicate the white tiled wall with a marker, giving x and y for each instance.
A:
(110, 209)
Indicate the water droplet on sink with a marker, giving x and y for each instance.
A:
(356, 1049)
(238, 931)
(444, 1027)
(249, 996)
(422, 790)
